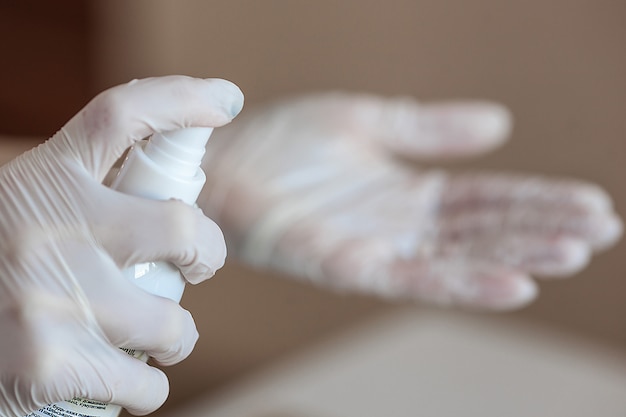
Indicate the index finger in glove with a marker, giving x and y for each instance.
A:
(134, 230)
(116, 118)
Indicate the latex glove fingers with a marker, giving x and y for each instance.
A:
(167, 335)
(129, 316)
(159, 231)
(599, 230)
(138, 387)
(48, 370)
(373, 266)
(535, 235)
(453, 282)
(479, 275)
(489, 190)
(114, 376)
(480, 204)
(120, 116)
(51, 238)
(535, 255)
(48, 309)
(421, 130)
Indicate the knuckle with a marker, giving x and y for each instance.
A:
(181, 214)
(209, 253)
(183, 86)
(108, 109)
(181, 223)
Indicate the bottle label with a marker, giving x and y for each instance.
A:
(83, 407)
(78, 407)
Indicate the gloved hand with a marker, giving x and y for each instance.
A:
(322, 187)
(64, 305)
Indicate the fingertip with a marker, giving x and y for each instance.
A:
(461, 129)
(213, 261)
(575, 254)
(155, 395)
(523, 291)
(234, 98)
(209, 253)
(500, 291)
(141, 389)
(609, 233)
(496, 123)
(592, 197)
(199, 273)
(176, 337)
(486, 124)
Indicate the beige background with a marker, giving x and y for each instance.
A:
(558, 64)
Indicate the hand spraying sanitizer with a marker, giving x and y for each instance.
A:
(167, 166)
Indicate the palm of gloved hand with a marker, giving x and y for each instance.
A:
(65, 306)
(315, 187)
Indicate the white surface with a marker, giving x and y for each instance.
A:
(434, 364)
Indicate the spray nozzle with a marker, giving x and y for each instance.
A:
(179, 150)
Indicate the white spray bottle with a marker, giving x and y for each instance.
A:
(167, 166)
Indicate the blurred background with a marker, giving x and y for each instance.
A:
(559, 65)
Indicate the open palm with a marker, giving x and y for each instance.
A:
(325, 187)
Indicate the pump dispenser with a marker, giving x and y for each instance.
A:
(164, 167)
(167, 166)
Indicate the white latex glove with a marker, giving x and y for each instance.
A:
(319, 187)
(64, 305)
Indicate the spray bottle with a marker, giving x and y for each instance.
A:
(164, 167)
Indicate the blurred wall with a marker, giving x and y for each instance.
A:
(45, 67)
(558, 64)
